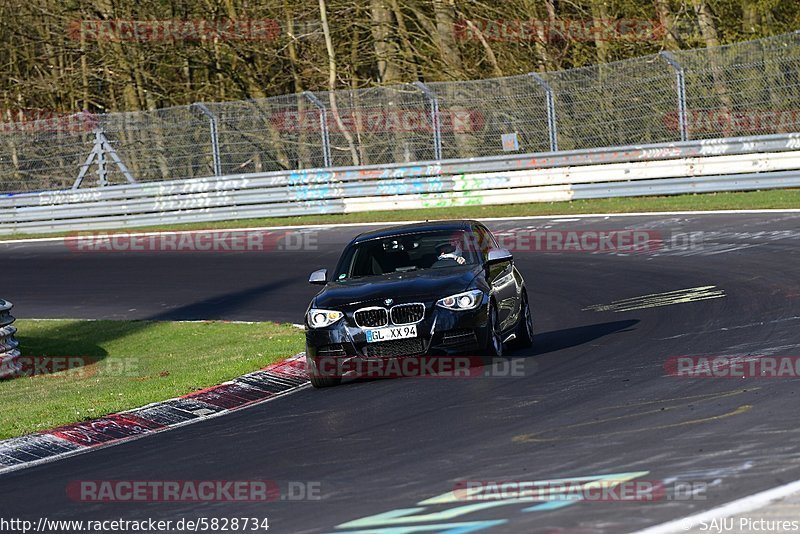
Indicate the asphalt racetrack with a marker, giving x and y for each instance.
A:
(594, 396)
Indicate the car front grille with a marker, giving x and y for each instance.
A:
(408, 313)
(371, 317)
(402, 314)
(395, 349)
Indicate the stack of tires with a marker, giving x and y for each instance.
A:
(9, 355)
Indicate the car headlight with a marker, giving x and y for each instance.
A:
(323, 318)
(469, 300)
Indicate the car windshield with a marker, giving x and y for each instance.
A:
(408, 252)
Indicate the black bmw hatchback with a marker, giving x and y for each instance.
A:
(427, 289)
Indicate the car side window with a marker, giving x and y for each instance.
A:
(485, 241)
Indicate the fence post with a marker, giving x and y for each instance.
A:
(214, 136)
(323, 126)
(681, 83)
(435, 120)
(551, 110)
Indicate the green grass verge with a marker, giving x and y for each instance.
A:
(770, 199)
(137, 362)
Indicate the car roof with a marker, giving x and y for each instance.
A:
(427, 226)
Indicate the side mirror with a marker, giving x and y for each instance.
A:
(319, 277)
(498, 255)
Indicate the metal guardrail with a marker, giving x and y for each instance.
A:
(743, 163)
(9, 354)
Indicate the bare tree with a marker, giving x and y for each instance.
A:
(323, 12)
(386, 51)
(444, 14)
(666, 20)
(710, 35)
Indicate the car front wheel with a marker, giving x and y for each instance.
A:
(318, 379)
(494, 341)
(525, 324)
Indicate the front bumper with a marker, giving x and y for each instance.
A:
(441, 332)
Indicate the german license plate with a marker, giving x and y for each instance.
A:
(394, 332)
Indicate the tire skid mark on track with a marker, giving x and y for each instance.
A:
(703, 397)
(655, 300)
(736, 327)
(546, 435)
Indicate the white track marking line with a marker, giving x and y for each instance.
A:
(739, 506)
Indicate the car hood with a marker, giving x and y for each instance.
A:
(424, 285)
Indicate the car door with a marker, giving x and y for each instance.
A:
(500, 277)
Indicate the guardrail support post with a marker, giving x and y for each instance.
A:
(551, 110)
(680, 81)
(99, 150)
(323, 126)
(435, 120)
(102, 173)
(212, 119)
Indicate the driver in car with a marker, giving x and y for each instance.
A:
(449, 251)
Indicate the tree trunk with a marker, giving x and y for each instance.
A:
(444, 15)
(599, 21)
(304, 157)
(386, 51)
(409, 57)
(323, 12)
(705, 19)
(667, 21)
(544, 59)
(708, 31)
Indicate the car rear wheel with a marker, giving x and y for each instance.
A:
(525, 324)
